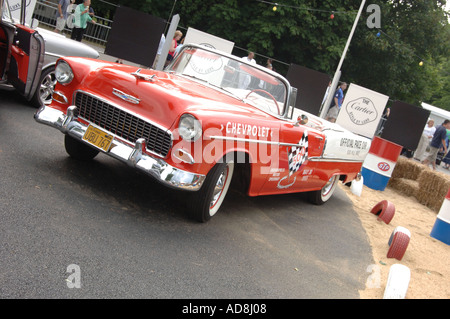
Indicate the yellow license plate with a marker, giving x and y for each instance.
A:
(98, 138)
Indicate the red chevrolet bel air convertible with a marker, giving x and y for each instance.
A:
(208, 118)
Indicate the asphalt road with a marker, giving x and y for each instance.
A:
(130, 237)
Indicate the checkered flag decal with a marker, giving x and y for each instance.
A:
(298, 154)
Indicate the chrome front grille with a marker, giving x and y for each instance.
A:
(122, 124)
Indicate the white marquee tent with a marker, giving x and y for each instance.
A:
(437, 114)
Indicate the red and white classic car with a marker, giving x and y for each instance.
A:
(207, 118)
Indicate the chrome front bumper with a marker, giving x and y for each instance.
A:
(133, 156)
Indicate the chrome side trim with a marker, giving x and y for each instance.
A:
(131, 155)
(313, 159)
(341, 160)
(239, 139)
(55, 55)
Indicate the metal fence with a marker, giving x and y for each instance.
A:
(45, 11)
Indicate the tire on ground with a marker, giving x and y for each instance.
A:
(398, 243)
(385, 211)
(79, 150)
(323, 195)
(205, 203)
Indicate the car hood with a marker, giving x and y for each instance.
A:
(57, 45)
(164, 96)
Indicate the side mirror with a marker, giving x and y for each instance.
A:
(302, 119)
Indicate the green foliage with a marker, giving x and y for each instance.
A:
(412, 31)
(441, 97)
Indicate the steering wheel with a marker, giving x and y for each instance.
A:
(271, 96)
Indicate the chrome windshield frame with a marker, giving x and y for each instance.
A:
(287, 96)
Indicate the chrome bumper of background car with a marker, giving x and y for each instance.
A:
(133, 156)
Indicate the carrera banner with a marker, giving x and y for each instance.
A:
(361, 110)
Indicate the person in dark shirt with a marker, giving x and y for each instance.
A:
(437, 141)
(336, 103)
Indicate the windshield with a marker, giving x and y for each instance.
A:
(246, 82)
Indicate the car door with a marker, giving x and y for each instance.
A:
(21, 53)
(27, 58)
(298, 144)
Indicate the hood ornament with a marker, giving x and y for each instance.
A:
(139, 75)
(126, 97)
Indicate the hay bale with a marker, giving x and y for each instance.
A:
(407, 168)
(433, 187)
(404, 186)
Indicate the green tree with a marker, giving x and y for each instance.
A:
(388, 60)
(441, 97)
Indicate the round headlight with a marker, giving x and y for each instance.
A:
(189, 128)
(63, 73)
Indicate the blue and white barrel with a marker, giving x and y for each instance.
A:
(380, 163)
(441, 228)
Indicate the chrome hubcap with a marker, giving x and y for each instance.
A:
(329, 185)
(218, 189)
(47, 87)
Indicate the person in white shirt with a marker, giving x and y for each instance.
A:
(245, 78)
(425, 139)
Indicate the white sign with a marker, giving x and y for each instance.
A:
(208, 40)
(14, 7)
(361, 110)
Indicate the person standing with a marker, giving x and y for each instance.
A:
(81, 19)
(61, 15)
(245, 78)
(437, 141)
(446, 159)
(173, 46)
(91, 12)
(425, 139)
(249, 58)
(336, 103)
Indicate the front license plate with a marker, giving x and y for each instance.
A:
(98, 138)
